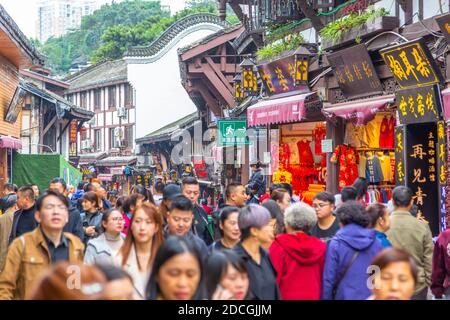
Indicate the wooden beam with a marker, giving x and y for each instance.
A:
(219, 73)
(310, 13)
(211, 44)
(49, 125)
(223, 58)
(209, 99)
(218, 94)
(230, 68)
(218, 84)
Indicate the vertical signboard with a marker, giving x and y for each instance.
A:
(400, 161)
(441, 170)
(422, 173)
(73, 138)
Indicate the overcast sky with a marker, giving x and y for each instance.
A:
(24, 14)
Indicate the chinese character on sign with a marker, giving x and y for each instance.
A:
(399, 142)
(267, 78)
(430, 104)
(418, 151)
(357, 71)
(420, 105)
(419, 196)
(291, 70)
(367, 69)
(348, 73)
(400, 172)
(417, 176)
(421, 64)
(397, 68)
(402, 106)
(281, 79)
(409, 68)
(411, 106)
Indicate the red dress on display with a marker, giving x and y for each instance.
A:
(391, 128)
(285, 155)
(319, 134)
(347, 158)
(305, 155)
(384, 133)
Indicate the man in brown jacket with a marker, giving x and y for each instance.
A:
(413, 236)
(6, 222)
(33, 253)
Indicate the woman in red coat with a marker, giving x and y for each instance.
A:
(297, 257)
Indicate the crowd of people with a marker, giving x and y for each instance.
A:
(167, 244)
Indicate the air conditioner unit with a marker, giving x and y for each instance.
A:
(122, 112)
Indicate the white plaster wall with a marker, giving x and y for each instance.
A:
(160, 97)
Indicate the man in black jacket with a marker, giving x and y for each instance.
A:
(257, 180)
(74, 225)
(24, 220)
(203, 225)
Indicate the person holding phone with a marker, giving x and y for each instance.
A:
(226, 276)
(91, 218)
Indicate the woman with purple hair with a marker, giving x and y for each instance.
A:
(254, 223)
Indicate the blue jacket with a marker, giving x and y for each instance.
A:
(383, 238)
(340, 251)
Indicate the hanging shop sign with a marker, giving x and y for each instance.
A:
(419, 105)
(444, 24)
(423, 173)
(441, 155)
(412, 64)
(355, 72)
(400, 160)
(73, 135)
(280, 76)
(232, 132)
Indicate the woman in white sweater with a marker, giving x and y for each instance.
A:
(106, 246)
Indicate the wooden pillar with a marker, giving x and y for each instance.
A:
(335, 132)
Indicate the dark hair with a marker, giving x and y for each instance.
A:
(10, 187)
(131, 201)
(81, 185)
(352, 212)
(53, 193)
(375, 212)
(231, 188)
(27, 192)
(278, 194)
(181, 203)
(143, 191)
(91, 197)
(61, 181)
(325, 196)
(393, 255)
(159, 186)
(348, 194)
(216, 266)
(402, 196)
(170, 248)
(120, 202)
(275, 213)
(112, 273)
(224, 214)
(189, 181)
(360, 184)
(106, 215)
(88, 187)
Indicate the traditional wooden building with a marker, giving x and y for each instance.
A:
(16, 53)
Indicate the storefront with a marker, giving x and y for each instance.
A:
(292, 149)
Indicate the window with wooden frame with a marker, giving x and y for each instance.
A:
(112, 138)
(97, 99)
(128, 97)
(83, 99)
(129, 137)
(111, 97)
(97, 139)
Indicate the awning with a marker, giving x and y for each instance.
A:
(9, 142)
(105, 177)
(446, 101)
(359, 111)
(281, 110)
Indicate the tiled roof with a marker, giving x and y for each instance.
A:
(98, 75)
(19, 37)
(172, 32)
(170, 128)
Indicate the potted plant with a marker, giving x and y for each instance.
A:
(357, 25)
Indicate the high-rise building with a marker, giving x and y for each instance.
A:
(57, 17)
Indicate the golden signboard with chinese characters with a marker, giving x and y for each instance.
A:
(355, 72)
(399, 137)
(412, 64)
(440, 152)
(419, 105)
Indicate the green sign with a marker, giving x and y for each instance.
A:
(232, 133)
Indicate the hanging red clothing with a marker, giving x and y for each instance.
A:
(347, 158)
(319, 134)
(390, 137)
(285, 155)
(384, 133)
(305, 155)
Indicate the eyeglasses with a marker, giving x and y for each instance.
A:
(320, 205)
